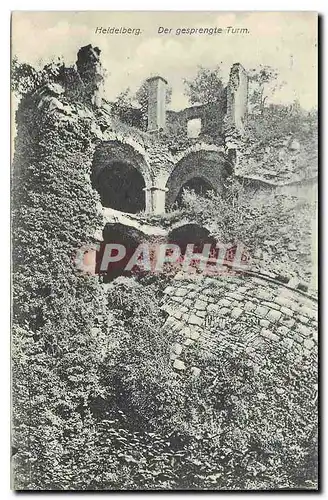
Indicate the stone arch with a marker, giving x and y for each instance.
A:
(191, 233)
(118, 233)
(121, 175)
(209, 167)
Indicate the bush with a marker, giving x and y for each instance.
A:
(231, 428)
(276, 229)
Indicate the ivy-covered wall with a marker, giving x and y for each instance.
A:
(95, 401)
(58, 316)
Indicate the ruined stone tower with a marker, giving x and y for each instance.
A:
(156, 103)
(139, 174)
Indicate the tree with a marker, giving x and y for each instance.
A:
(206, 87)
(124, 105)
(141, 95)
(268, 225)
(126, 98)
(263, 82)
(25, 78)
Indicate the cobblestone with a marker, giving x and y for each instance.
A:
(273, 315)
(223, 314)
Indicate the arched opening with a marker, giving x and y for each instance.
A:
(191, 234)
(120, 173)
(119, 235)
(120, 186)
(197, 184)
(199, 170)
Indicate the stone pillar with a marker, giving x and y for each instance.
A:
(155, 199)
(156, 103)
(90, 70)
(237, 97)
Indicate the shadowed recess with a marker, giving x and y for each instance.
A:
(120, 187)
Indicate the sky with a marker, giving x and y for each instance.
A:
(286, 41)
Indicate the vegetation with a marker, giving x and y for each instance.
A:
(275, 229)
(205, 87)
(26, 79)
(54, 362)
(95, 402)
(125, 104)
(263, 84)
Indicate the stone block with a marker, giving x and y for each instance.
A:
(264, 322)
(236, 312)
(303, 319)
(269, 335)
(195, 320)
(170, 321)
(287, 321)
(287, 311)
(223, 312)
(194, 334)
(213, 308)
(249, 306)
(273, 315)
(271, 305)
(282, 300)
(177, 348)
(308, 344)
(307, 311)
(200, 304)
(195, 371)
(202, 314)
(179, 365)
(298, 338)
(303, 330)
(288, 342)
(181, 292)
(235, 295)
(265, 333)
(186, 331)
(283, 330)
(224, 303)
(176, 327)
(263, 294)
(177, 299)
(261, 311)
(177, 314)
